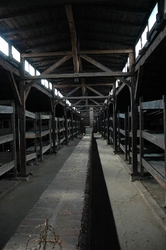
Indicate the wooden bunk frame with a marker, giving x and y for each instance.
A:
(8, 159)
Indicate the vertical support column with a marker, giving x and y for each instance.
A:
(108, 125)
(22, 122)
(126, 136)
(66, 125)
(129, 136)
(134, 112)
(14, 140)
(141, 140)
(164, 121)
(40, 133)
(118, 131)
(53, 122)
(91, 115)
(114, 119)
(72, 134)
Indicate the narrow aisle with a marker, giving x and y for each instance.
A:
(14, 206)
(137, 227)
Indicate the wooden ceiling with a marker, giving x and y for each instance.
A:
(92, 38)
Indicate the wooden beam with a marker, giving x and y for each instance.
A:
(50, 69)
(157, 41)
(72, 91)
(109, 51)
(95, 91)
(81, 52)
(89, 105)
(60, 86)
(83, 97)
(70, 18)
(138, 84)
(14, 87)
(47, 54)
(79, 75)
(94, 102)
(102, 67)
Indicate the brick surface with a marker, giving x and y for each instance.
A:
(62, 203)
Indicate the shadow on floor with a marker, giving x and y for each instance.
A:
(103, 230)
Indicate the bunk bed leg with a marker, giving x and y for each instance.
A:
(126, 138)
(114, 119)
(164, 114)
(134, 111)
(23, 173)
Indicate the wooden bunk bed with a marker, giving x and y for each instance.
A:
(44, 133)
(7, 138)
(31, 136)
(152, 139)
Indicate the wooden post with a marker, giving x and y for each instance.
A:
(66, 125)
(114, 119)
(53, 122)
(134, 112)
(126, 136)
(141, 140)
(14, 140)
(108, 125)
(129, 131)
(22, 123)
(164, 121)
(40, 132)
(72, 135)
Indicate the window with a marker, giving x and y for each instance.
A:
(15, 54)
(4, 46)
(50, 85)
(31, 70)
(138, 47)
(26, 66)
(37, 73)
(144, 36)
(56, 92)
(152, 18)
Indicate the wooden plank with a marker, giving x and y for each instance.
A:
(6, 109)
(153, 171)
(157, 139)
(158, 104)
(6, 138)
(79, 75)
(31, 156)
(6, 167)
(30, 114)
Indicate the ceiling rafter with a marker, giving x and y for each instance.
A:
(50, 69)
(73, 33)
(79, 75)
(104, 68)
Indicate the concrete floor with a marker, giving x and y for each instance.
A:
(17, 198)
(140, 222)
